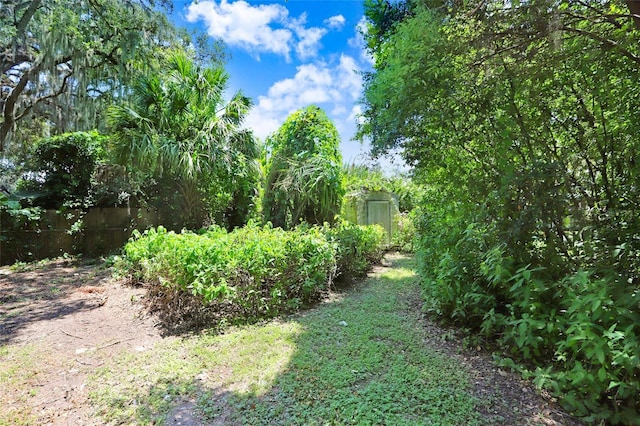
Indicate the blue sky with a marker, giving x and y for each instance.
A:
(287, 55)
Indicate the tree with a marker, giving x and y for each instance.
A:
(521, 118)
(61, 168)
(63, 60)
(501, 98)
(383, 16)
(179, 128)
(304, 178)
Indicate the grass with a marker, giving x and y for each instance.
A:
(143, 387)
(17, 375)
(358, 359)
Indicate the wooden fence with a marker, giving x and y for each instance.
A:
(93, 233)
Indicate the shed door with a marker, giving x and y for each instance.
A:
(378, 212)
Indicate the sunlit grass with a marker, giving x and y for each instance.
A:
(248, 360)
(356, 360)
(361, 361)
(145, 385)
(17, 374)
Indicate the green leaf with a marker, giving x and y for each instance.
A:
(599, 353)
(602, 374)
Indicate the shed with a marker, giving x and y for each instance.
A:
(365, 207)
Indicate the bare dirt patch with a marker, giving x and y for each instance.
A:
(58, 324)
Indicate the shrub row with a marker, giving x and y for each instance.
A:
(251, 273)
(357, 248)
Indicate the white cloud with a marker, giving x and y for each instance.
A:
(333, 87)
(245, 26)
(265, 28)
(358, 42)
(339, 110)
(308, 38)
(348, 76)
(356, 114)
(335, 22)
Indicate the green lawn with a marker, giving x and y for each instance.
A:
(358, 359)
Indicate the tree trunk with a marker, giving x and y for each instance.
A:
(9, 109)
(634, 9)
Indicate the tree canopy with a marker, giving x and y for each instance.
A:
(304, 177)
(180, 126)
(512, 101)
(65, 60)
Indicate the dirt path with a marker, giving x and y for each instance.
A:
(61, 322)
(57, 325)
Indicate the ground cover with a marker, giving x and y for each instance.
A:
(366, 355)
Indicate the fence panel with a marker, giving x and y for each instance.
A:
(95, 232)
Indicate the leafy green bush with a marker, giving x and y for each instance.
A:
(113, 186)
(358, 247)
(404, 237)
(449, 251)
(250, 273)
(61, 169)
(577, 335)
(589, 327)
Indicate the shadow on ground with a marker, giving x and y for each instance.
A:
(363, 357)
(56, 290)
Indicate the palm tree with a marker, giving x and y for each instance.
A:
(179, 126)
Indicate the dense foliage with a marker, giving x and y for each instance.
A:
(520, 119)
(361, 177)
(61, 168)
(304, 172)
(357, 248)
(253, 272)
(64, 61)
(180, 131)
